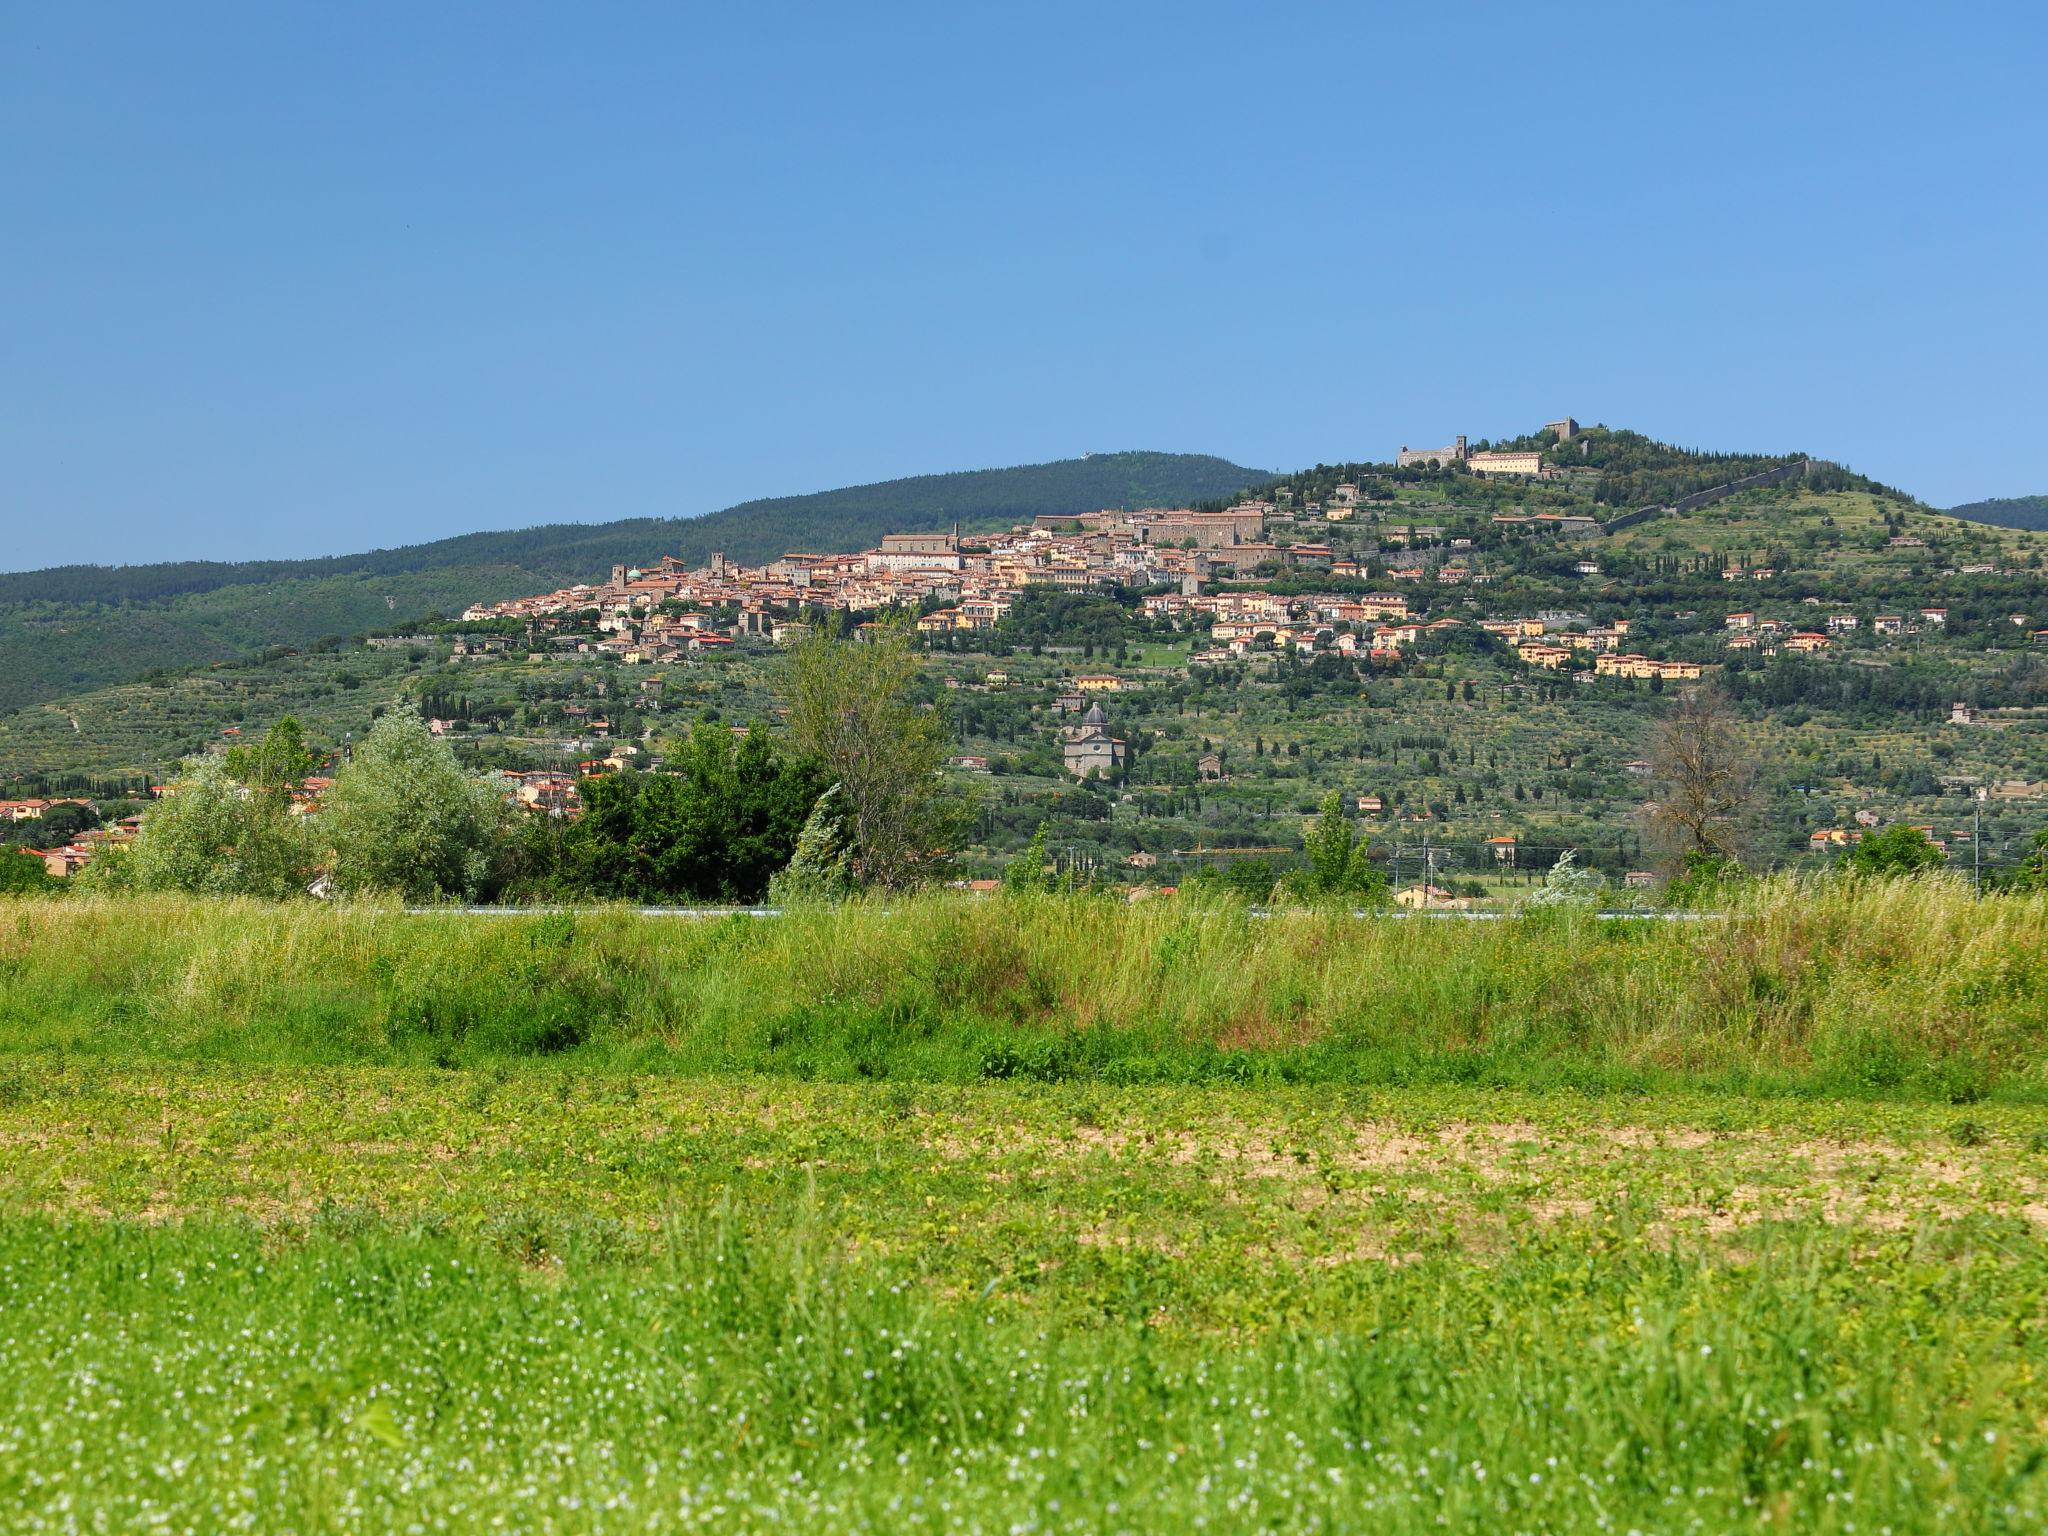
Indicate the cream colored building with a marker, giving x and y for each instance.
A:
(1530, 463)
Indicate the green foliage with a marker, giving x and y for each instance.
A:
(762, 1359)
(1636, 470)
(216, 837)
(1568, 885)
(820, 867)
(1028, 873)
(853, 715)
(1340, 866)
(2006, 512)
(1249, 880)
(716, 826)
(1050, 616)
(405, 817)
(1704, 879)
(1897, 850)
(23, 874)
(2032, 874)
(275, 766)
(1816, 985)
(62, 823)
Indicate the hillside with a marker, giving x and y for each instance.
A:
(2006, 512)
(72, 628)
(1458, 735)
(1601, 472)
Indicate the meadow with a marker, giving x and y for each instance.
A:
(1809, 986)
(1039, 1214)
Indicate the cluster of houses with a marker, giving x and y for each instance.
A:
(668, 610)
(1747, 631)
(547, 791)
(1554, 641)
(1376, 624)
(34, 810)
(1829, 839)
(73, 854)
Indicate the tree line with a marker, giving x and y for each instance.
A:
(855, 799)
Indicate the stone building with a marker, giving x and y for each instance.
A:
(1408, 457)
(1090, 748)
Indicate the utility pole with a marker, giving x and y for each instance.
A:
(1977, 842)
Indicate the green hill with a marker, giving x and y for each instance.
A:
(1463, 740)
(71, 628)
(2006, 512)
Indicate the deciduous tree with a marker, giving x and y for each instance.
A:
(715, 827)
(404, 816)
(851, 713)
(276, 765)
(22, 874)
(1706, 779)
(1897, 850)
(1340, 866)
(213, 836)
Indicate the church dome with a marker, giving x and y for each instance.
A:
(1095, 716)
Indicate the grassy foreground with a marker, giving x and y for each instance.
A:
(1822, 988)
(1042, 1215)
(357, 1298)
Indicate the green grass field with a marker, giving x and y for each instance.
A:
(361, 1298)
(1004, 1216)
(1811, 987)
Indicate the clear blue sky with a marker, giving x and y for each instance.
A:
(289, 279)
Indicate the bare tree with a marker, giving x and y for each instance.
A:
(850, 712)
(1706, 778)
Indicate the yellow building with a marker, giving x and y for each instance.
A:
(1632, 665)
(1530, 463)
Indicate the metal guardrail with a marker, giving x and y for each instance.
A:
(1401, 914)
(705, 912)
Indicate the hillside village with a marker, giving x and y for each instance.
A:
(1461, 639)
(1217, 571)
(1242, 571)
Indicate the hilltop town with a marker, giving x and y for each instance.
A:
(664, 612)
(1465, 641)
(1245, 573)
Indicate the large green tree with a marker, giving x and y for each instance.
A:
(1340, 867)
(404, 816)
(715, 827)
(1897, 850)
(851, 711)
(276, 765)
(1027, 873)
(22, 874)
(212, 836)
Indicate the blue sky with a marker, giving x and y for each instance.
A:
(292, 279)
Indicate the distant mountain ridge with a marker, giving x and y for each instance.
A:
(845, 519)
(2006, 512)
(73, 627)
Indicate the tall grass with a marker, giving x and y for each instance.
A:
(1908, 987)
